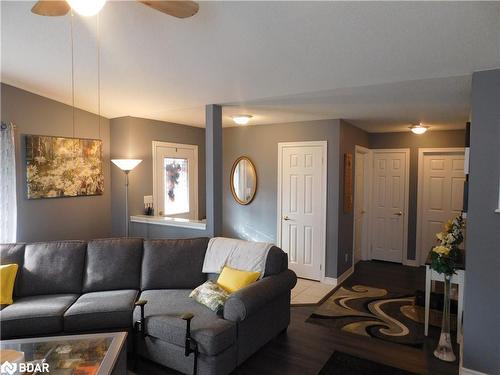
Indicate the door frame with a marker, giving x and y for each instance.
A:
(194, 148)
(422, 152)
(367, 179)
(405, 260)
(324, 178)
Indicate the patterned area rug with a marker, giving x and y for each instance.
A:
(370, 312)
(345, 364)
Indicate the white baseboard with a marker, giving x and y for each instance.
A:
(466, 371)
(329, 280)
(339, 280)
(411, 263)
(345, 275)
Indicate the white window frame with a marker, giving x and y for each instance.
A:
(192, 201)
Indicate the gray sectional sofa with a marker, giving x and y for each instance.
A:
(67, 287)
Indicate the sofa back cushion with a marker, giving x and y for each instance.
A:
(112, 264)
(276, 262)
(52, 268)
(173, 264)
(13, 254)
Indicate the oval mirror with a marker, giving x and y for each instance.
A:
(243, 180)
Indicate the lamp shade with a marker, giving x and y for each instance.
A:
(126, 164)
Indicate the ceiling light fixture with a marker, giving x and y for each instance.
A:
(86, 8)
(242, 119)
(419, 129)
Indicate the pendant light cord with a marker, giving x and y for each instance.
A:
(99, 73)
(72, 71)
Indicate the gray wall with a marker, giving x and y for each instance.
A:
(482, 305)
(132, 137)
(450, 138)
(350, 136)
(57, 218)
(257, 221)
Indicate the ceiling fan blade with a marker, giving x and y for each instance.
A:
(50, 8)
(179, 9)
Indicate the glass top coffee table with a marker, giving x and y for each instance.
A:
(90, 354)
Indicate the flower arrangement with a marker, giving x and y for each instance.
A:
(173, 173)
(445, 255)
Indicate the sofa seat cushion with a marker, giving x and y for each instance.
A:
(101, 310)
(35, 315)
(163, 321)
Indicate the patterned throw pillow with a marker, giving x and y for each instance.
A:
(211, 295)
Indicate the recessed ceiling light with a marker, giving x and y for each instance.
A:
(86, 7)
(242, 119)
(419, 129)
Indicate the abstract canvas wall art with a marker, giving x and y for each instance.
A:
(63, 167)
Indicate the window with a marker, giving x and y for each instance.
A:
(175, 174)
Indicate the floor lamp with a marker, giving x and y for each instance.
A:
(126, 165)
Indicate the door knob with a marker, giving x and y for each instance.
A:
(398, 213)
(286, 218)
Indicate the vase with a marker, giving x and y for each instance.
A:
(444, 350)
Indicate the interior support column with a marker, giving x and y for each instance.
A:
(213, 165)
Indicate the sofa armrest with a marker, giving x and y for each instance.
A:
(246, 301)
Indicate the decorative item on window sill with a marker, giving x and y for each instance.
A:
(444, 258)
(148, 205)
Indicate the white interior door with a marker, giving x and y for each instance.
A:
(389, 205)
(175, 175)
(360, 209)
(441, 194)
(302, 206)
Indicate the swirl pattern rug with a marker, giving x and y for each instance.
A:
(370, 312)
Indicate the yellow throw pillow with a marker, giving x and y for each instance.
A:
(232, 280)
(7, 278)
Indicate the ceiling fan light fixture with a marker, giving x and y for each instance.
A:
(86, 8)
(419, 129)
(242, 119)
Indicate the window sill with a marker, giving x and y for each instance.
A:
(169, 221)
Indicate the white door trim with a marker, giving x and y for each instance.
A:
(365, 247)
(156, 144)
(407, 195)
(324, 146)
(420, 259)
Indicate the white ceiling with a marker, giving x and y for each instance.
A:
(379, 65)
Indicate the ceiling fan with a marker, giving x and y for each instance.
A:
(176, 8)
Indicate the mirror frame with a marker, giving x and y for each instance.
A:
(233, 192)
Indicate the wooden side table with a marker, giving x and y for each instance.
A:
(458, 278)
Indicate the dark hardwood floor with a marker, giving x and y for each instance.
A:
(306, 347)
